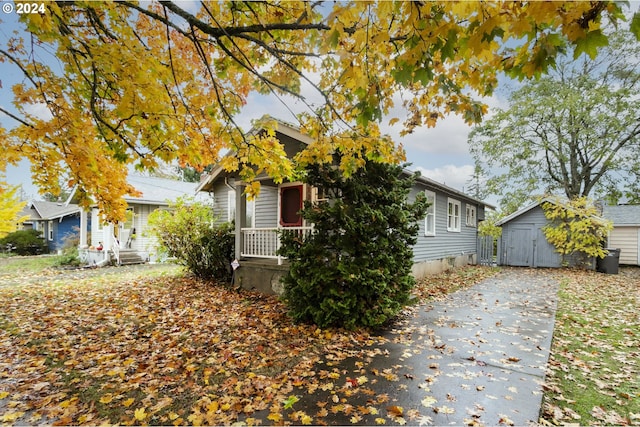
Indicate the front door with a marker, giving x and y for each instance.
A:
(291, 199)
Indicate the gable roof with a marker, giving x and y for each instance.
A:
(42, 210)
(534, 205)
(155, 191)
(158, 191)
(292, 131)
(628, 215)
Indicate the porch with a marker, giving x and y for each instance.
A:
(264, 243)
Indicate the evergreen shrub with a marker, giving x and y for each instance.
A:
(355, 268)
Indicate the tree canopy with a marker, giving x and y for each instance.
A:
(576, 131)
(141, 83)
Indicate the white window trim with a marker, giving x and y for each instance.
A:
(231, 208)
(431, 214)
(50, 230)
(451, 214)
(471, 221)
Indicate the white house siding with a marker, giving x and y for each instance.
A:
(625, 239)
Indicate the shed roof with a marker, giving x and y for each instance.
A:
(526, 209)
(623, 215)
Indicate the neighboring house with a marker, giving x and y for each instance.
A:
(447, 235)
(56, 221)
(129, 241)
(523, 243)
(626, 231)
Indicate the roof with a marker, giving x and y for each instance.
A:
(622, 215)
(448, 190)
(532, 206)
(282, 127)
(42, 210)
(159, 191)
(293, 132)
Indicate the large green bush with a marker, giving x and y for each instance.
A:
(24, 242)
(355, 268)
(188, 232)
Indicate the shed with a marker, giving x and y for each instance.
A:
(626, 231)
(523, 243)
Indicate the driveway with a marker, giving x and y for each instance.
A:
(475, 357)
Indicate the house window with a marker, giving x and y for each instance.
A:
(319, 195)
(430, 219)
(231, 209)
(453, 215)
(290, 206)
(50, 229)
(471, 216)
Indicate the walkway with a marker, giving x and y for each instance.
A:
(477, 357)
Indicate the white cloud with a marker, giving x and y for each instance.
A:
(450, 175)
(38, 110)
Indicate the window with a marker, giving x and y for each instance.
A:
(430, 219)
(290, 206)
(231, 209)
(453, 215)
(50, 229)
(471, 216)
(319, 195)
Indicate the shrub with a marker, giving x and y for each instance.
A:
(24, 242)
(355, 268)
(188, 232)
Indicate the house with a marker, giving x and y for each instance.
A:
(523, 243)
(626, 231)
(56, 221)
(128, 242)
(447, 235)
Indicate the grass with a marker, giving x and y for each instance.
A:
(595, 358)
(10, 266)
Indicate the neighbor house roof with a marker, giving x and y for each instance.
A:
(154, 191)
(622, 215)
(42, 210)
(158, 191)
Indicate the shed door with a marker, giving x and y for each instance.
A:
(520, 246)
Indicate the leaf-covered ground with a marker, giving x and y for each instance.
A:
(148, 346)
(594, 368)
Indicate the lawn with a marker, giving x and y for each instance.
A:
(594, 368)
(148, 345)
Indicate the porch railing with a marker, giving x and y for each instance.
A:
(265, 242)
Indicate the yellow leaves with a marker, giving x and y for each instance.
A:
(140, 414)
(107, 398)
(11, 417)
(126, 403)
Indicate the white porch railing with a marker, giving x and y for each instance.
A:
(265, 242)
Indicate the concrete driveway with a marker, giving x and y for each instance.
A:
(476, 357)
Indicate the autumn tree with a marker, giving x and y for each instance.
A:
(10, 207)
(575, 229)
(145, 83)
(576, 131)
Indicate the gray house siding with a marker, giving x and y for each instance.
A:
(444, 243)
(267, 207)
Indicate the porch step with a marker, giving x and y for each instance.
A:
(130, 257)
